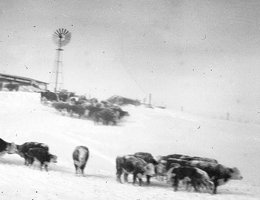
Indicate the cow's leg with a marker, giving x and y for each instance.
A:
(215, 186)
(76, 168)
(82, 169)
(41, 165)
(30, 161)
(148, 179)
(46, 166)
(118, 175)
(140, 181)
(194, 184)
(126, 177)
(26, 160)
(71, 113)
(134, 177)
(175, 183)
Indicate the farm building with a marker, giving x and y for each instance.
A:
(19, 83)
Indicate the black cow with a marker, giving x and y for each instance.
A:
(91, 110)
(167, 163)
(175, 156)
(106, 116)
(77, 109)
(218, 173)
(196, 177)
(65, 95)
(61, 106)
(210, 160)
(171, 162)
(6, 147)
(80, 157)
(147, 157)
(43, 156)
(133, 165)
(23, 149)
(188, 158)
(119, 112)
(50, 96)
(176, 160)
(12, 86)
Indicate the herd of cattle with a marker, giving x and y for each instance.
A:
(193, 172)
(198, 172)
(100, 112)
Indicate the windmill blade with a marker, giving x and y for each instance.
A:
(56, 34)
(61, 36)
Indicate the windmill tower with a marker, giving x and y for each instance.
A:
(61, 37)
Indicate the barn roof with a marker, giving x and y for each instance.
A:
(20, 79)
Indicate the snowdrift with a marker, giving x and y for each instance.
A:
(23, 118)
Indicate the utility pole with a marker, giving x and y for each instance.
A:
(150, 100)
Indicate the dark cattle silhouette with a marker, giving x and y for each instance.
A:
(61, 106)
(119, 112)
(92, 109)
(77, 109)
(106, 116)
(23, 149)
(188, 158)
(43, 156)
(50, 96)
(196, 177)
(147, 157)
(218, 173)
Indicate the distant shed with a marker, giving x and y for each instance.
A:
(15, 83)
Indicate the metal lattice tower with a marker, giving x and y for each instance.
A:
(61, 37)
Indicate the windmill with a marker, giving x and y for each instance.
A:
(61, 37)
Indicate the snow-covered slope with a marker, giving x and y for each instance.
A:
(161, 132)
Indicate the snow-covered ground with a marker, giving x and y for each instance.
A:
(160, 132)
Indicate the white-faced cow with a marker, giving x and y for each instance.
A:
(80, 157)
(133, 165)
(6, 147)
(147, 157)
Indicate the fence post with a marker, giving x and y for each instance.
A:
(228, 116)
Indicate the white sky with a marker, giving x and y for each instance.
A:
(200, 54)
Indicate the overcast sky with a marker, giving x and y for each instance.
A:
(199, 54)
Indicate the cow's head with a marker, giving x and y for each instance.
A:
(161, 167)
(11, 148)
(53, 158)
(235, 174)
(149, 169)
